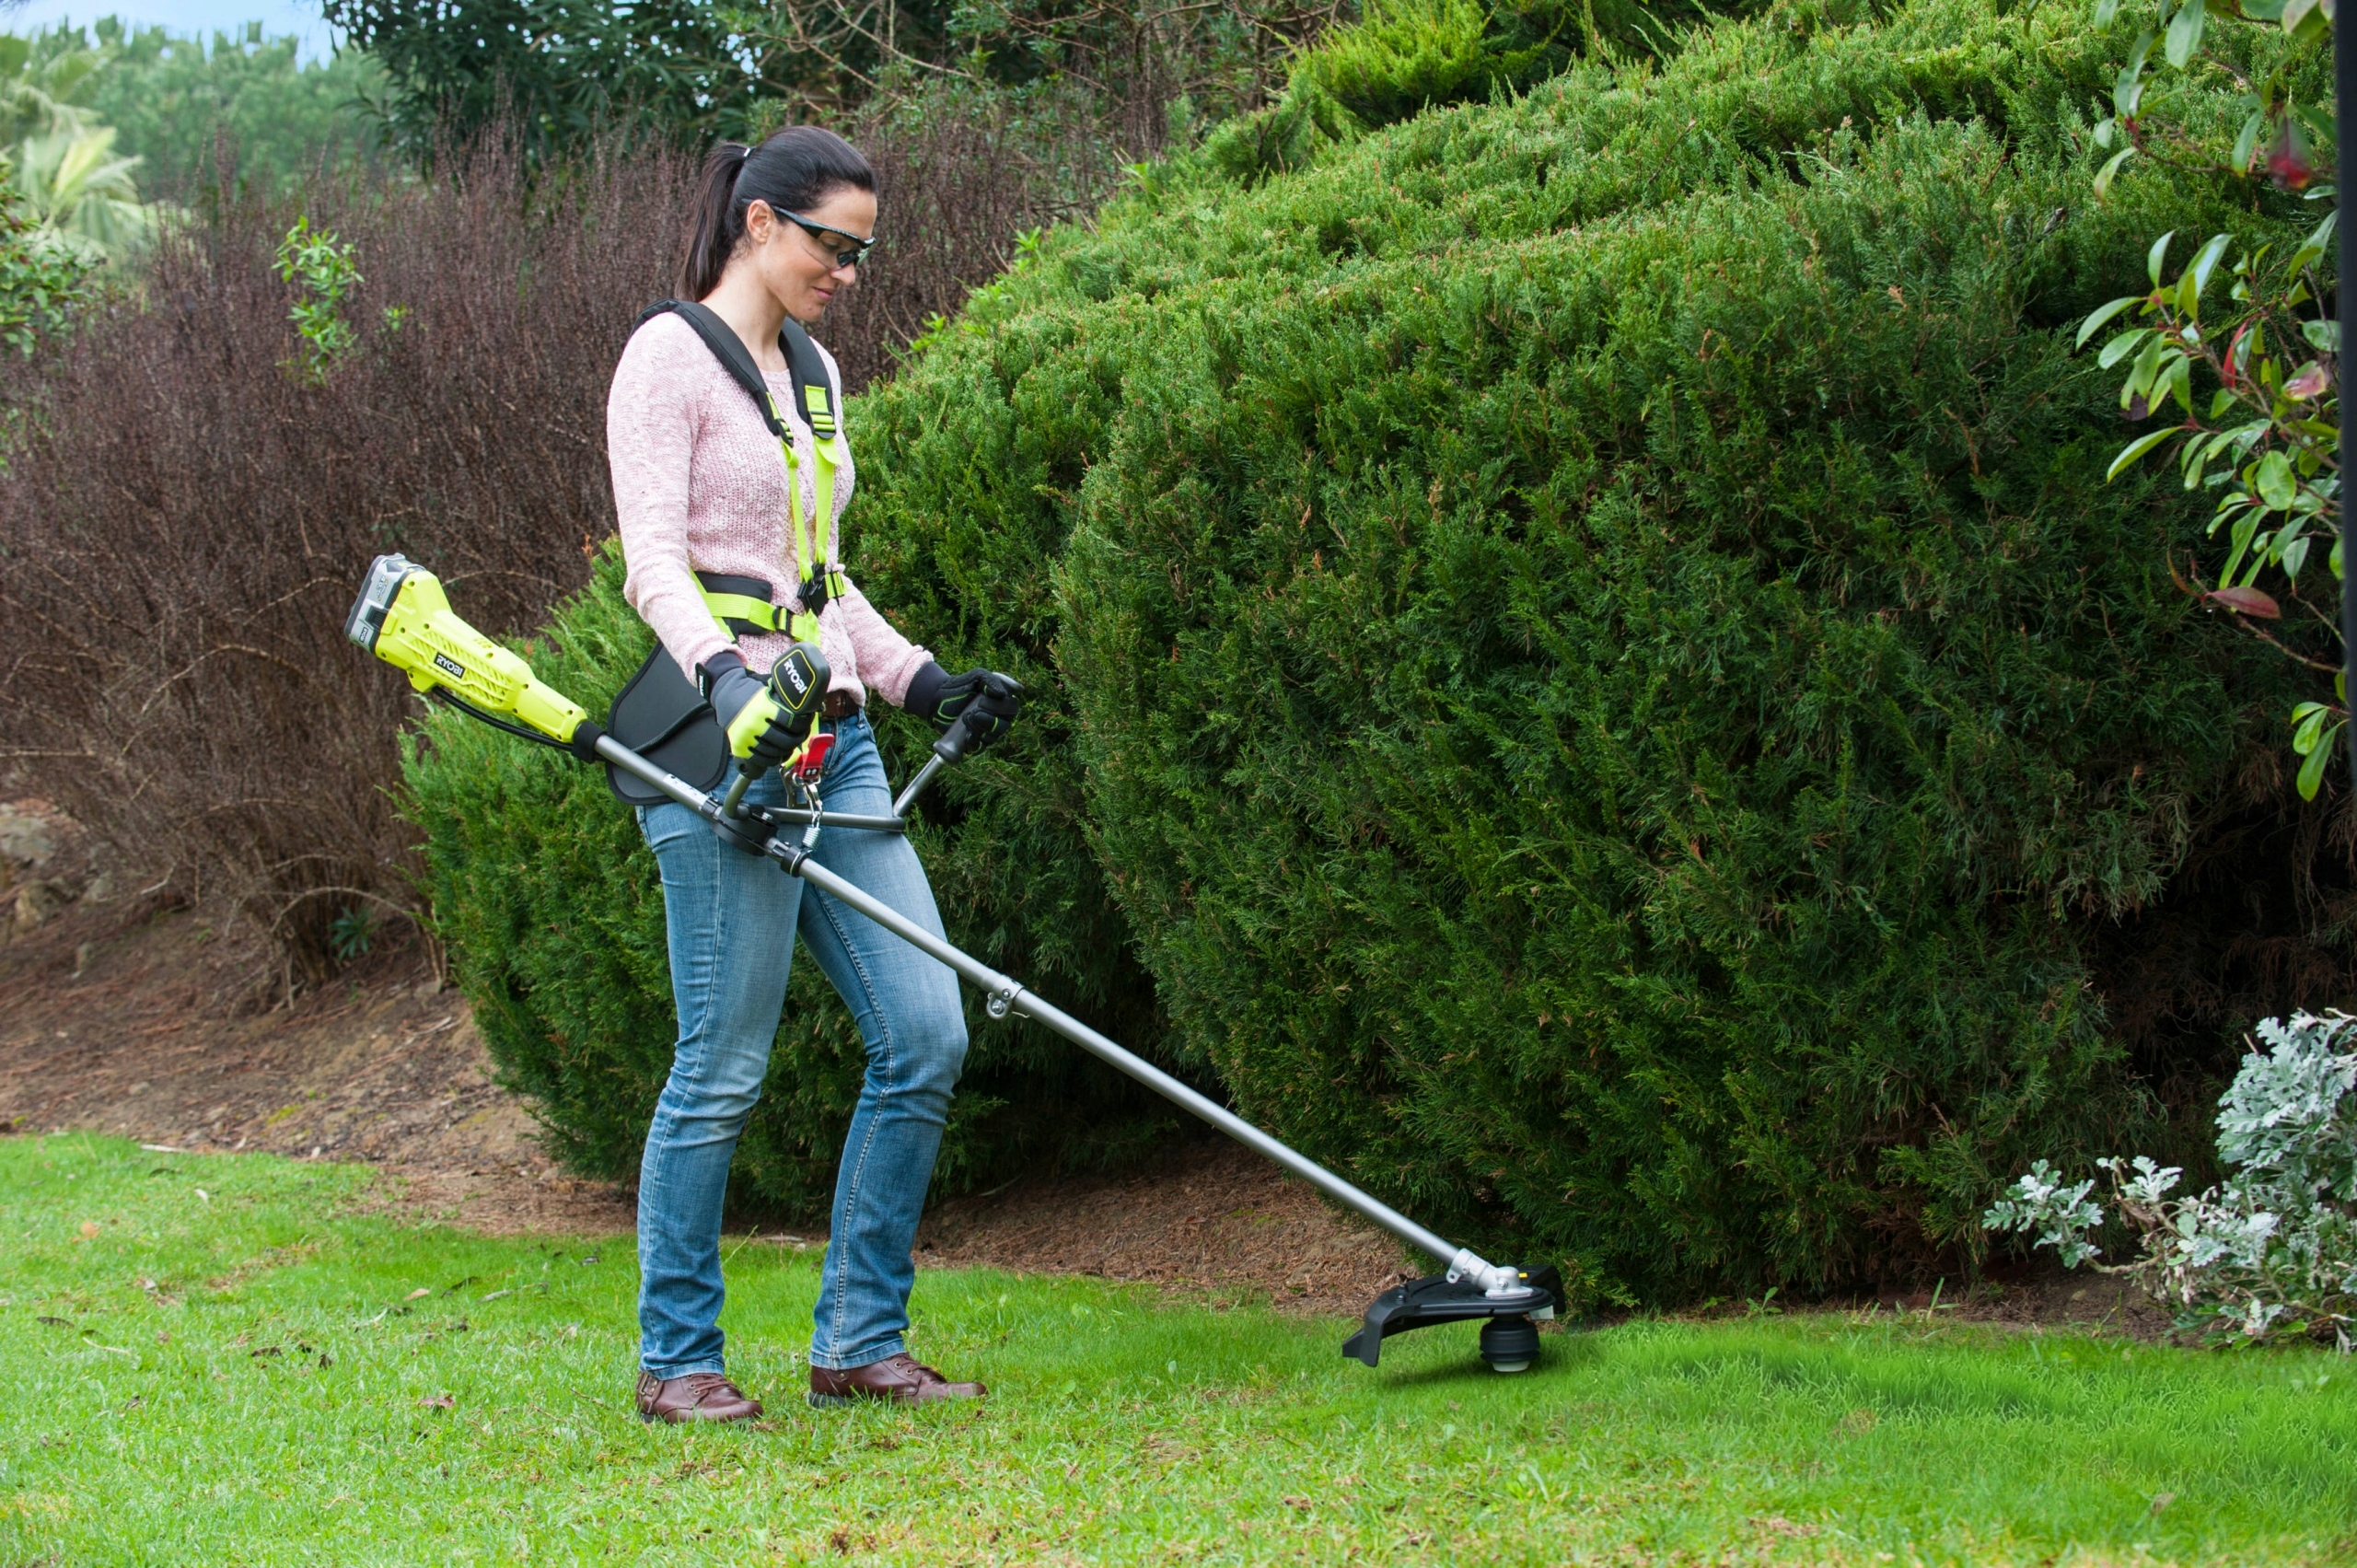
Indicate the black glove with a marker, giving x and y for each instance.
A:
(943, 698)
(760, 733)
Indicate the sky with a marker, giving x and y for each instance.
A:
(278, 17)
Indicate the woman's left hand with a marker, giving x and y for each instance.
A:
(995, 699)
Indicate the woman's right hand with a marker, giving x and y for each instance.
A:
(759, 730)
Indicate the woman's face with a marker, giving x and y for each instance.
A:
(799, 268)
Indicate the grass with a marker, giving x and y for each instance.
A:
(217, 1360)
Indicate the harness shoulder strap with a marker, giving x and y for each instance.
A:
(726, 347)
(814, 395)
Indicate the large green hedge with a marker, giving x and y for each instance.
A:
(1584, 634)
(1405, 56)
(1617, 703)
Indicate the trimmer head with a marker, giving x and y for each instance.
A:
(1509, 1343)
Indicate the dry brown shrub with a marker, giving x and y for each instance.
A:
(185, 517)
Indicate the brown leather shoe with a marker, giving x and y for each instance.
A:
(903, 1379)
(700, 1396)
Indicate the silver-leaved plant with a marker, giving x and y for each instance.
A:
(2270, 1250)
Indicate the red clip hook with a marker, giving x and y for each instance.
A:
(811, 760)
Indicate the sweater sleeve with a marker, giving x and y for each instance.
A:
(653, 413)
(887, 660)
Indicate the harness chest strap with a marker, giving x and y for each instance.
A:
(824, 580)
(742, 606)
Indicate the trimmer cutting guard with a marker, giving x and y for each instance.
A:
(1435, 1299)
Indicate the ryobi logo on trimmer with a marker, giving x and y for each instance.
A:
(449, 667)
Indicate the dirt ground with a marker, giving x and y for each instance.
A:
(117, 1017)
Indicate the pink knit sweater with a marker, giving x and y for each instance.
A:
(700, 485)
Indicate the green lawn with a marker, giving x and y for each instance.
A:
(211, 1360)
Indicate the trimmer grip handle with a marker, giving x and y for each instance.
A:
(951, 746)
(798, 682)
(982, 720)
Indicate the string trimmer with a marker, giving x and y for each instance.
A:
(403, 617)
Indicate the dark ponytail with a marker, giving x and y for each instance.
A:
(792, 171)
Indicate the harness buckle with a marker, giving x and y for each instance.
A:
(817, 589)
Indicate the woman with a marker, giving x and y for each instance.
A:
(701, 485)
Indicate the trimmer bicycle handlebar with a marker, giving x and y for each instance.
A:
(1007, 995)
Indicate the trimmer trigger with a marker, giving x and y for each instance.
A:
(811, 760)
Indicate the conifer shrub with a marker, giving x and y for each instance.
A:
(1614, 700)
(1406, 56)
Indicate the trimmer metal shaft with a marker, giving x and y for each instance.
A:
(1007, 995)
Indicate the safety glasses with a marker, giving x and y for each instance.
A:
(822, 233)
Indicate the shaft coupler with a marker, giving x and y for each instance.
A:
(747, 831)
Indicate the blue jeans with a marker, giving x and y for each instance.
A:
(732, 919)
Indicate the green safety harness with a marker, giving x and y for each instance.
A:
(659, 713)
(822, 578)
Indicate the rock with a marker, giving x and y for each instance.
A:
(25, 839)
(36, 901)
(100, 889)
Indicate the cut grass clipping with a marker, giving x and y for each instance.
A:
(213, 1359)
